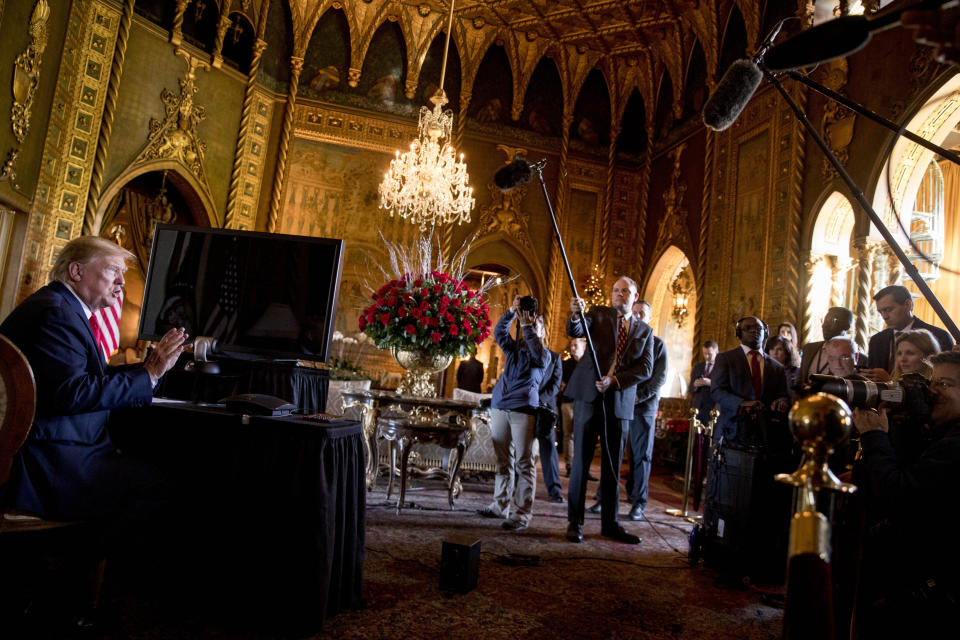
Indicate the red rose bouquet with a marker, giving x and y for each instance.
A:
(432, 312)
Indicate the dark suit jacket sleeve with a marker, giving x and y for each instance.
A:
(648, 389)
(779, 387)
(550, 386)
(66, 381)
(640, 367)
(878, 351)
(720, 386)
(697, 372)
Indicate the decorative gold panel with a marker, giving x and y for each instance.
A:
(254, 158)
(68, 152)
(354, 129)
(751, 256)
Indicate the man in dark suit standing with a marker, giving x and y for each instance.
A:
(837, 322)
(746, 380)
(603, 407)
(470, 374)
(68, 469)
(699, 389)
(895, 305)
(642, 426)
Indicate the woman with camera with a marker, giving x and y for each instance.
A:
(513, 410)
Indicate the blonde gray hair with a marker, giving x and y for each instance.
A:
(83, 250)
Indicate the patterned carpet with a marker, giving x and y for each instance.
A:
(596, 590)
(599, 589)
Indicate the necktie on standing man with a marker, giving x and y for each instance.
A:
(622, 331)
(755, 371)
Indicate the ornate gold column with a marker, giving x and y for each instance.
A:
(176, 31)
(106, 121)
(216, 58)
(644, 202)
(557, 311)
(866, 252)
(700, 267)
(608, 198)
(838, 277)
(296, 66)
(245, 115)
(894, 268)
(813, 263)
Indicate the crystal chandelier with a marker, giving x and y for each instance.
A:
(428, 185)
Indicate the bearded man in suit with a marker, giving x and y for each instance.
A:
(603, 406)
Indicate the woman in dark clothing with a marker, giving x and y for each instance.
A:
(785, 352)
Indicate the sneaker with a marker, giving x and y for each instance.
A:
(514, 525)
(487, 512)
(556, 499)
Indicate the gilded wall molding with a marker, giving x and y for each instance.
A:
(673, 229)
(254, 157)
(753, 209)
(176, 137)
(26, 79)
(325, 123)
(59, 202)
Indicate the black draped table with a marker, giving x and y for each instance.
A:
(272, 507)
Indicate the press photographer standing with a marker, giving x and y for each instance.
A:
(512, 416)
(911, 564)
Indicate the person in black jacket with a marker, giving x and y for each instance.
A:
(642, 427)
(895, 304)
(513, 408)
(546, 419)
(911, 565)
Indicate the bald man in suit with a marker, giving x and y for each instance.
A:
(603, 407)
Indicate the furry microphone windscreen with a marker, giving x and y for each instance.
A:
(513, 175)
(733, 93)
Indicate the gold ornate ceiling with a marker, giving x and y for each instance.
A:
(633, 42)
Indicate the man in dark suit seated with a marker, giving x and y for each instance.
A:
(895, 304)
(747, 381)
(837, 322)
(603, 407)
(699, 389)
(68, 468)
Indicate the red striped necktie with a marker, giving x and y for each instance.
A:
(755, 371)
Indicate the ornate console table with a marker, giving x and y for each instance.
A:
(470, 416)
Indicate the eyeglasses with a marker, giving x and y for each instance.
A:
(942, 384)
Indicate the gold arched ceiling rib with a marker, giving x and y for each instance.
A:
(633, 37)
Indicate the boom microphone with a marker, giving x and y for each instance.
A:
(513, 175)
(732, 94)
(838, 37)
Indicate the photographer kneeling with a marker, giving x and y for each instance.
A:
(910, 580)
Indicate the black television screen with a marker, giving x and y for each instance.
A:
(262, 294)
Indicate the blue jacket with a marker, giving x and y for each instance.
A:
(518, 386)
(60, 470)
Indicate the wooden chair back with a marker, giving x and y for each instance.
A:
(18, 403)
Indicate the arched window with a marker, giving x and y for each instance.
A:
(927, 225)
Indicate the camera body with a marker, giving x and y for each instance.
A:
(529, 303)
(909, 396)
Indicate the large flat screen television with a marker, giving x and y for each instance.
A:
(259, 295)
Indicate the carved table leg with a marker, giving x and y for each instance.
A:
(453, 488)
(405, 447)
(392, 448)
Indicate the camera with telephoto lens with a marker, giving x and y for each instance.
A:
(529, 303)
(908, 396)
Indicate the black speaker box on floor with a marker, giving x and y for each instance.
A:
(746, 523)
(459, 564)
